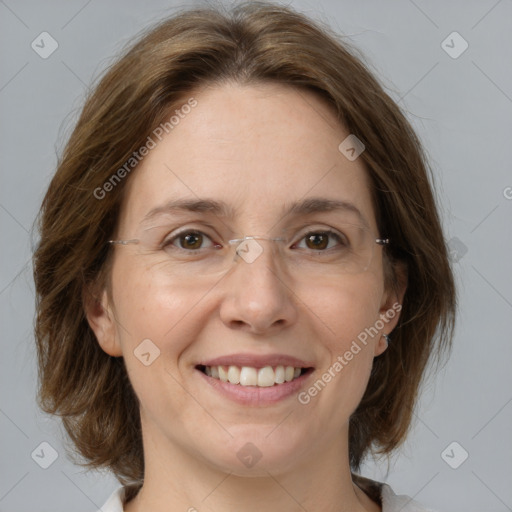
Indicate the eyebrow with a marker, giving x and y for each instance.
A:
(219, 208)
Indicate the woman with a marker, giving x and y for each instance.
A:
(242, 274)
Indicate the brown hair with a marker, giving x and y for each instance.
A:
(255, 42)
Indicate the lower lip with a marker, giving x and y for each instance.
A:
(254, 395)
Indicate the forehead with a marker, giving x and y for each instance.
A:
(255, 148)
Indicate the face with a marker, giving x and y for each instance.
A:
(258, 149)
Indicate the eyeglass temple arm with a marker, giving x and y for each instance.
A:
(124, 242)
(380, 241)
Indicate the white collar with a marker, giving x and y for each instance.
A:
(390, 501)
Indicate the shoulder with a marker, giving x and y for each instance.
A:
(384, 495)
(115, 501)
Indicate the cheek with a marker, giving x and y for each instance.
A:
(345, 306)
(148, 304)
(153, 317)
(348, 313)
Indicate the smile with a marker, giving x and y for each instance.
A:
(250, 376)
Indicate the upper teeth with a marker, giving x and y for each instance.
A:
(248, 376)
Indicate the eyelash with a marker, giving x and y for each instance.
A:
(169, 242)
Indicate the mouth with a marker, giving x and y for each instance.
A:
(255, 379)
(249, 376)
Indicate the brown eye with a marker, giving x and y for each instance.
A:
(191, 240)
(317, 241)
(188, 240)
(322, 240)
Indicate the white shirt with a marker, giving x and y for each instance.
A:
(389, 501)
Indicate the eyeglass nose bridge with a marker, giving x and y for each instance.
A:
(248, 251)
(255, 237)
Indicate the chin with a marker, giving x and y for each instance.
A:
(257, 452)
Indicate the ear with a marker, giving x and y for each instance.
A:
(391, 304)
(100, 317)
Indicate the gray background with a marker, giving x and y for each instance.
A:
(461, 108)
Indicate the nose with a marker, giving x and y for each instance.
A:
(258, 297)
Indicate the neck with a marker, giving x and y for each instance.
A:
(179, 480)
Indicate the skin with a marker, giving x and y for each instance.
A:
(256, 148)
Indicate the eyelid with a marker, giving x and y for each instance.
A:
(318, 228)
